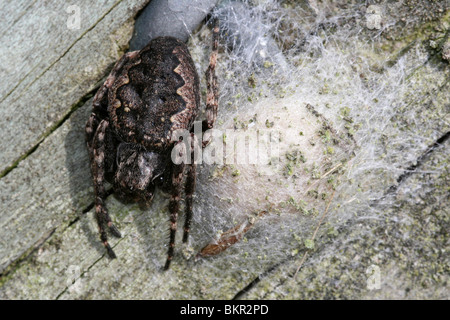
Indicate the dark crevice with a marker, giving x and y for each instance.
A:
(260, 277)
(249, 287)
(420, 160)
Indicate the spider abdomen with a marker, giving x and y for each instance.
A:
(159, 94)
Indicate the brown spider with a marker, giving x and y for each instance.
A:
(148, 96)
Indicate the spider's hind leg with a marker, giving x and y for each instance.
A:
(174, 203)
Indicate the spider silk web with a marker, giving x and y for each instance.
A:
(275, 59)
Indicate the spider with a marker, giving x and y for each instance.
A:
(148, 96)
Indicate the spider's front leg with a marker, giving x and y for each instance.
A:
(212, 87)
(174, 204)
(97, 148)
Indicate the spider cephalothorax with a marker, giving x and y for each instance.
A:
(148, 96)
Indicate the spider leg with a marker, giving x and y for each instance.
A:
(190, 186)
(97, 153)
(98, 143)
(174, 204)
(212, 88)
(101, 97)
(90, 129)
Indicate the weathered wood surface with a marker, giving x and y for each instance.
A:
(47, 67)
(49, 245)
(47, 70)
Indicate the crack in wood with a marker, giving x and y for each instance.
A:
(419, 162)
(391, 190)
(81, 101)
(87, 270)
(55, 127)
(60, 57)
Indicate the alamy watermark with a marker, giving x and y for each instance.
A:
(73, 274)
(243, 147)
(74, 19)
(374, 277)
